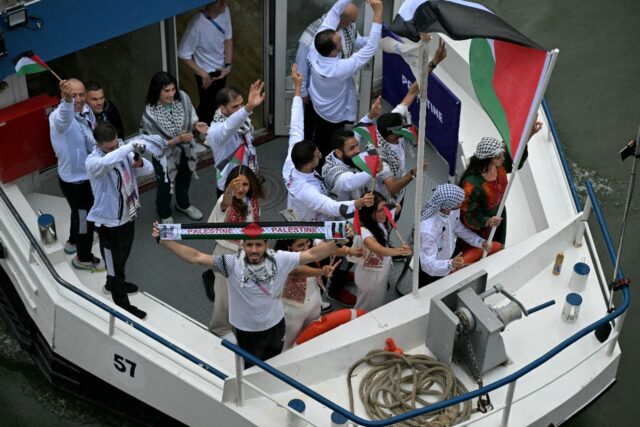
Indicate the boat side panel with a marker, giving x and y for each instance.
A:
(130, 362)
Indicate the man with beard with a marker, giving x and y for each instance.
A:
(256, 277)
(339, 174)
(230, 134)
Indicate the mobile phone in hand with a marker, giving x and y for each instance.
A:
(215, 73)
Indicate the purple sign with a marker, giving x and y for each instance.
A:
(443, 107)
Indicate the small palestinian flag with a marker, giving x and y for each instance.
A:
(236, 158)
(29, 63)
(357, 229)
(410, 133)
(387, 212)
(368, 162)
(367, 132)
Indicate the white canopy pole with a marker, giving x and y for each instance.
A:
(423, 60)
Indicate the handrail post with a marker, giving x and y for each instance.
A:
(582, 223)
(616, 333)
(239, 371)
(507, 402)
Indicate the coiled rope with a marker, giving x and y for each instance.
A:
(399, 383)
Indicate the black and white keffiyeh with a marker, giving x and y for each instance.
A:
(488, 148)
(87, 121)
(169, 122)
(348, 42)
(334, 167)
(262, 274)
(446, 196)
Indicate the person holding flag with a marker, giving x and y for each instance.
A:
(484, 182)
(70, 128)
(339, 172)
(388, 134)
(372, 271)
(238, 203)
(230, 134)
(440, 226)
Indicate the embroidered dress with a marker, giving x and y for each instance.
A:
(302, 303)
(371, 275)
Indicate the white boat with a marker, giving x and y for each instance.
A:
(171, 363)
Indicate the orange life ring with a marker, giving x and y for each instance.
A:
(328, 322)
(472, 255)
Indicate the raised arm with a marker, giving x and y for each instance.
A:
(332, 20)
(318, 252)
(63, 115)
(185, 253)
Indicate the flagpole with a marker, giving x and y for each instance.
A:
(423, 58)
(523, 139)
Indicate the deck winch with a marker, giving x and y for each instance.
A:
(463, 325)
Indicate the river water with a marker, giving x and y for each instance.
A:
(594, 98)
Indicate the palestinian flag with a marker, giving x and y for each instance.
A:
(367, 132)
(29, 63)
(236, 158)
(263, 230)
(509, 81)
(458, 19)
(357, 229)
(387, 212)
(410, 133)
(368, 162)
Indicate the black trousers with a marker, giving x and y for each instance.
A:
(181, 187)
(263, 344)
(115, 246)
(80, 200)
(208, 104)
(321, 131)
(425, 279)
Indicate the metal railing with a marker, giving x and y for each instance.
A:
(35, 245)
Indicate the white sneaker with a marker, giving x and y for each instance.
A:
(192, 212)
(70, 248)
(167, 220)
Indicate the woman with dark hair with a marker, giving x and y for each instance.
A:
(372, 272)
(170, 114)
(301, 293)
(238, 203)
(484, 182)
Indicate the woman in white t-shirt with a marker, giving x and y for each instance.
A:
(238, 203)
(301, 294)
(372, 272)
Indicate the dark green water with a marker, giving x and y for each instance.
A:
(595, 101)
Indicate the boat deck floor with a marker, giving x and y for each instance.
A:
(160, 274)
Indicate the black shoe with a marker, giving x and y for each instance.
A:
(131, 288)
(136, 311)
(208, 280)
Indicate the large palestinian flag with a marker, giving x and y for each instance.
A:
(508, 70)
(509, 80)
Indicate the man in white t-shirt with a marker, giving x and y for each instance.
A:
(207, 49)
(256, 277)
